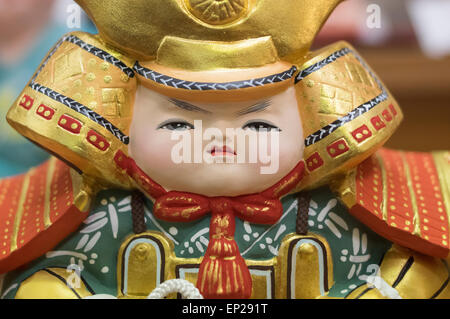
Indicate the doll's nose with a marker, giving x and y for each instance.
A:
(227, 132)
(222, 136)
(226, 138)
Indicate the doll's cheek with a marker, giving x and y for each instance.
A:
(149, 147)
(153, 151)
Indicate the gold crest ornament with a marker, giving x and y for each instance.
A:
(219, 12)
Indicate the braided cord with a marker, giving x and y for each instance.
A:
(138, 213)
(184, 287)
(304, 199)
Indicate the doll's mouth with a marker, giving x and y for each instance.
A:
(222, 151)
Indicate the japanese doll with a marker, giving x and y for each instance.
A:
(203, 141)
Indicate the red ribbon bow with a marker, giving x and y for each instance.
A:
(223, 272)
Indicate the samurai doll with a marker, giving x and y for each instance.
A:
(203, 141)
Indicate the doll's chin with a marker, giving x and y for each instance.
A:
(221, 180)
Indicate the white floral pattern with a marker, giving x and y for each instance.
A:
(198, 240)
(92, 232)
(327, 217)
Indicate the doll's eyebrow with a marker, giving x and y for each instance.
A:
(188, 106)
(255, 108)
(192, 108)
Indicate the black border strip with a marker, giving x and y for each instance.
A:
(440, 290)
(63, 280)
(363, 292)
(88, 287)
(211, 86)
(397, 281)
(358, 111)
(403, 272)
(81, 109)
(368, 288)
(319, 65)
(400, 277)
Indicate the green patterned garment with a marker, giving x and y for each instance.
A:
(93, 249)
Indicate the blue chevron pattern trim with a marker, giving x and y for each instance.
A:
(210, 86)
(83, 110)
(316, 67)
(105, 56)
(330, 128)
(100, 54)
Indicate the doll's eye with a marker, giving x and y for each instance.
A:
(176, 126)
(260, 126)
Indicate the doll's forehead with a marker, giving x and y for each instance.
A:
(240, 108)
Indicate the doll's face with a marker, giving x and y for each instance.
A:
(216, 149)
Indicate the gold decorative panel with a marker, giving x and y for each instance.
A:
(302, 269)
